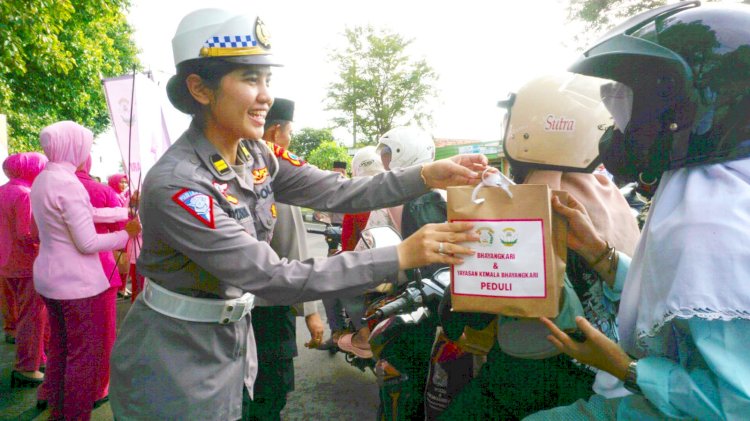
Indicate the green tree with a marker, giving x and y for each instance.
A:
(53, 54)
(306, 140)
(379, 84)
(598, 16)
(329, 151)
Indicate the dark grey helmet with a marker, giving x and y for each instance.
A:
(688, 66)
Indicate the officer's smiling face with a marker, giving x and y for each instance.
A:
(239, 106)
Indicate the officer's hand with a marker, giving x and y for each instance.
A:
(459, 170)
(424, 246)
(133, 227)
(315, 326)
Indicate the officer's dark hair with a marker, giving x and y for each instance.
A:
(210, 70)
(271, 123)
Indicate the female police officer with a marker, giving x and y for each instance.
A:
(186, 349)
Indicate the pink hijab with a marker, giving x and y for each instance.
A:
(66, 142)
(114, 183)
(24, 167)
(608, 209)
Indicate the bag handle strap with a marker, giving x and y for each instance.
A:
(492, 177)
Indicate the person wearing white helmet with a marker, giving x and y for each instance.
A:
(399, 148)
(365, 163)
(551, 137)
(187, 349)
(680, 98)
(403, 146)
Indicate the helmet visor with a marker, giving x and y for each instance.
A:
(618, 99)
(507, 106)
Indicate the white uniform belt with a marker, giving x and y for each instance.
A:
(183, 307)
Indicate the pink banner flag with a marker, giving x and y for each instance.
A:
(141, 132)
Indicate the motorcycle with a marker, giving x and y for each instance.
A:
(402, 326)
(332, 235)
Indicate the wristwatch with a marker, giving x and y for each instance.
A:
(631, 377)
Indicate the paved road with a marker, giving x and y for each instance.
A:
(327, 388)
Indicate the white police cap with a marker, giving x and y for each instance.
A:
(222, 34)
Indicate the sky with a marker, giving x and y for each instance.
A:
(481, 50)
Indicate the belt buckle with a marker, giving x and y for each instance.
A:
(236, 309)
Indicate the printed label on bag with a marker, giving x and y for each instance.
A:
(508, 263)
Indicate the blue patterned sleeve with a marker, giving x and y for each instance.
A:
(713, 380)
(623, 265)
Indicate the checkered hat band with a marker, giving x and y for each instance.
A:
(229, 41)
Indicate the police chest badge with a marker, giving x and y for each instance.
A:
(199, 205)
(222, 188)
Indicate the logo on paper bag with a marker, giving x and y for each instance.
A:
(509, 237)
(486, 236)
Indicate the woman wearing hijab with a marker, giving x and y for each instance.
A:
(19, 245)
(119, 184)
(517, 379)
(685, 311)
(102, 196)
(68, 273)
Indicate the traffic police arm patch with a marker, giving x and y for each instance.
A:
(286, 155)
(199, 205)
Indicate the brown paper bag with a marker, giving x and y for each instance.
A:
(519, 265)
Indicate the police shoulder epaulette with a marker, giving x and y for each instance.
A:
(243, 151)
(221, 166)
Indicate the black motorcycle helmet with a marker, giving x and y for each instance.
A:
(688, 66)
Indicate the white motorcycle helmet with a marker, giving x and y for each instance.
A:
(366, 162)
(407, 145)
(555, 122)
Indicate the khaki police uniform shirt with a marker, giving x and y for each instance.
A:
(206, 233)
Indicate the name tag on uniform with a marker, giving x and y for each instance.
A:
(239, 213)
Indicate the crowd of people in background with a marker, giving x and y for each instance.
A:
(58, 230)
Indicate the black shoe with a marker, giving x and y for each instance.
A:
(19, 380)
(10, 339)
(100, 402)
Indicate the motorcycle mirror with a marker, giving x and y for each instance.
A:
(379, 237)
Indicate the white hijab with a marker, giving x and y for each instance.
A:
(693, 259)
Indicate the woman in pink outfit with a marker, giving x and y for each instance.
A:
(102, 196)
(68, 273)
(119, 183)
(19, 245)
